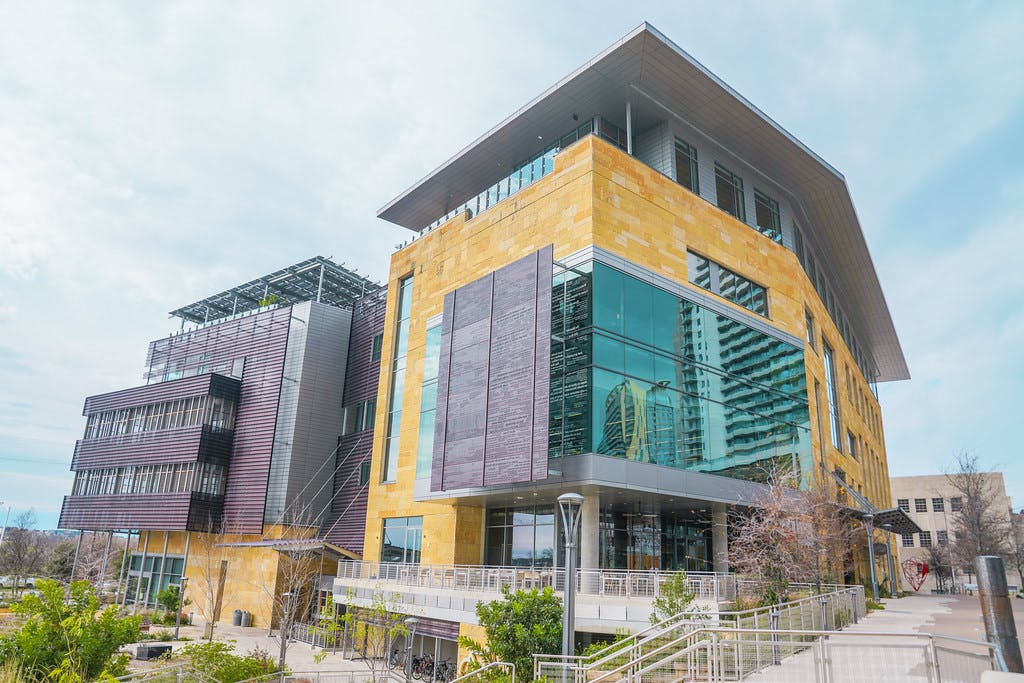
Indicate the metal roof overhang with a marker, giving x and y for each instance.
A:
(296, 546)
(899, 520)
(664, 82)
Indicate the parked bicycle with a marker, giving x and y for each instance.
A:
(423, 667)
(397, 659)
(446, 671)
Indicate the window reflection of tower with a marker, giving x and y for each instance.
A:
(661, 424)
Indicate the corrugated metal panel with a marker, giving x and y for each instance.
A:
(260, 340)
(309, 415)
(200, 385)
(187, 444)
(347, 522)
(164, 511)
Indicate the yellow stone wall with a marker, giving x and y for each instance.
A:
(252, 578)
(598, 195)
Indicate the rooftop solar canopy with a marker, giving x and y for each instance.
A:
(315, 279)
(661, 82)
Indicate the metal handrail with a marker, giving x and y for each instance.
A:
(477, 672)
(172, 669)
(733, 632)
(684, 619)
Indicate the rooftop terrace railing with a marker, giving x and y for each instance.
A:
(535, 168)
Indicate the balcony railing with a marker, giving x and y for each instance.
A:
(601, 582)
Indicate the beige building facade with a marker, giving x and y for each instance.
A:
(934, 504)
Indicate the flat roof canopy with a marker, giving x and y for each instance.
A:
(315, 279)
(661, 81)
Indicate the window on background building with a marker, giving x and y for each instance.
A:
(956, 504)
(766, 213)
(402, 540)
(920, 505)
(811, 333)
(904, 504)
(908, 540)
(364, 473)
(938, 505)
(376, 346)
(833, 398)
(926, 539)
(727, 284)
(729, 191)
(390, 470)
(942, 537)
(686, 166)
(851, 442)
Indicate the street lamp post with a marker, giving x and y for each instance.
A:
(571, 507)
(869, 520)
(181, 605)
(410, 625)
(892, 565)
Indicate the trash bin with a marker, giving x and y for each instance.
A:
(237, 619)
(246, 618)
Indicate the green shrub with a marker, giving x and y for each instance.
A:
(872, 605)
(68, 637)
(217, 660)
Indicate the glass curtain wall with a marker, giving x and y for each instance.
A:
(641, 374)
(390, 469)
(428, 402)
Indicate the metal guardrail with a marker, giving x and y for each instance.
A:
(507, 666)
(827, 611)
(604, 582)
(178, 673)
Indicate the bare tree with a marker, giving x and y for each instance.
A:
(982, 526)
(294, 597)
(940, 563)
(24, 550)
(372, 630)
(98, 558)
(789, 535)
(1017, 549)
(207, 588)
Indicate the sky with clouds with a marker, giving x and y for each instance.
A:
(154, 153)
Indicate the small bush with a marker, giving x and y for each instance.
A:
(872, 605)
(164, 636)
(217, 660)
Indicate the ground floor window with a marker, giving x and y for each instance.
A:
(636, 541)
(147, 578)
(402, 540)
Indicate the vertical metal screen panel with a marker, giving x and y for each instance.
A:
(492, 401)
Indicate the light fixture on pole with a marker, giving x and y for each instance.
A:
(410, 625)
(571, 507)
(892, 566)
(869, 520)
(181, 605)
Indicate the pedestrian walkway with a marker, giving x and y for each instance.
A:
(300, 657)
(853, 659)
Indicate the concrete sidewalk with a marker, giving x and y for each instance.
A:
(300, 657)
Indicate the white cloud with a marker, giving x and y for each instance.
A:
(152, 154)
